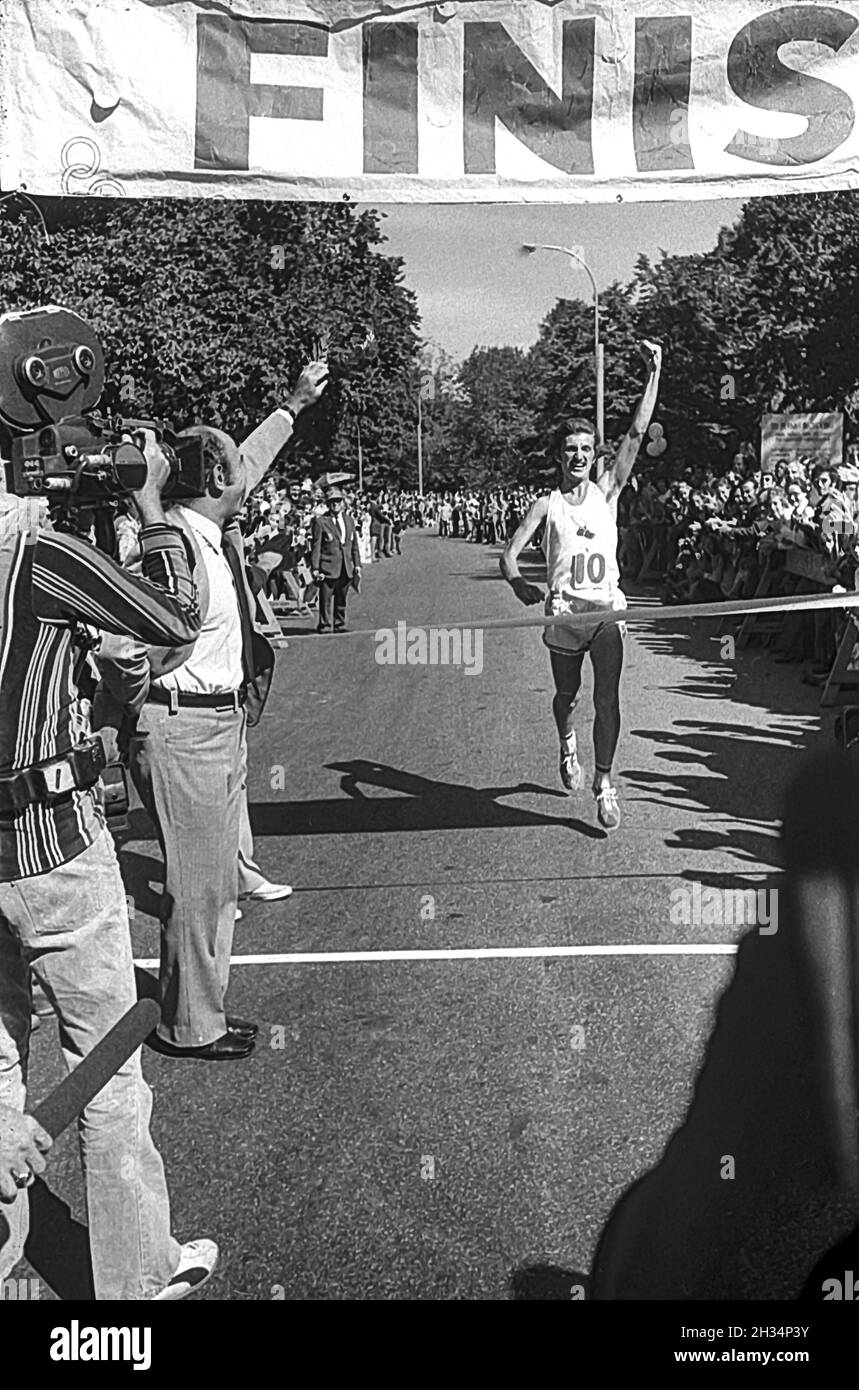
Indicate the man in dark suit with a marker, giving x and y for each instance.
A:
(335, 561)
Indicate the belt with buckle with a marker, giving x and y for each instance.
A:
(183, 699)
(47, 783)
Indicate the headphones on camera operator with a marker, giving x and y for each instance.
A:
(55, 448)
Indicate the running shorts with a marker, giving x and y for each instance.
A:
(571, 641)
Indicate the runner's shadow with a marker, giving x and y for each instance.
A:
(418, 804)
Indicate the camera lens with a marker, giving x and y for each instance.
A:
(84, 359)
(35, 371)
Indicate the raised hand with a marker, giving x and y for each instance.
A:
(651, 352)
(310, 385)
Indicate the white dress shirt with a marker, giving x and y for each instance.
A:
(215, 665)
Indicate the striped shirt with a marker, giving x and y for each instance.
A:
(51, 585)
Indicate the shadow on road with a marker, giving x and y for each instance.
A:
(531, 566)
(547, 1284)
(736, 771)
(58, 1246)
(764, 1173)
(420, 804)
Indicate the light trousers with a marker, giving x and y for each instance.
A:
(251, 875)
(189, 770)
(69, 930)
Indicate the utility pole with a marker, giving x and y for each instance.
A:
(599, 355)
(420, 445)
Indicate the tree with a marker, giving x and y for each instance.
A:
(702, 309)
(492, 417)
(561, 369)
(208, 309)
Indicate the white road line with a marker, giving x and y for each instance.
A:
(473, 953)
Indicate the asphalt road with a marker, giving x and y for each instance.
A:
(433, 1129)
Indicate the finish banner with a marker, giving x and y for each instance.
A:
(564, 101)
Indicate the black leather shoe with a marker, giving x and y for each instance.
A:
(228, 1048)
(242, 1027)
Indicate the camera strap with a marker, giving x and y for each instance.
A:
(85, 675)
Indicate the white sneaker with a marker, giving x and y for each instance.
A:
(269, 892)
(572, 773)
(608, 810)
(239, 914)
(196, 1265)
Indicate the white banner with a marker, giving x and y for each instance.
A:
(489, 101)
(790, 438)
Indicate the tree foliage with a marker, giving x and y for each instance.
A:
(208, 309)
(766, 321)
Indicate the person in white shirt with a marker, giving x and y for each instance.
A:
(580, 545)
(189, 752)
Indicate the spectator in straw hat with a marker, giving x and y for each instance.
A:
(335, 561)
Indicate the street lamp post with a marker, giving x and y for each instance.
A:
(599, 355)
(360, 456)
(420, 444)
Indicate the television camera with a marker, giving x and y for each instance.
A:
(54, 444)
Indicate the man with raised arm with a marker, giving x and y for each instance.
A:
(580, 544)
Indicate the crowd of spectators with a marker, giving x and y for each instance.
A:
(279, 518)
(487, 518)
(790, 529)
(700, 535)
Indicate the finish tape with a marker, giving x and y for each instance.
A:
(670, 613)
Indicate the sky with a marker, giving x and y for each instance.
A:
(474, 286)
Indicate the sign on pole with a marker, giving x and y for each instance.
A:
(789, 438)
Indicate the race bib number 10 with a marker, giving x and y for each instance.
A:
(588, 571)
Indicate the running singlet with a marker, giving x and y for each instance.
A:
(580, 546)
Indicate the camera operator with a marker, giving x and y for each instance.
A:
(63, 912)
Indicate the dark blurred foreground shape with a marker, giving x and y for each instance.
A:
(777, 1092)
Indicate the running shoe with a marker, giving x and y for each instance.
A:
(608, 811)
(572, 773)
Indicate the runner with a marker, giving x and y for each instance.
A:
(580, 545)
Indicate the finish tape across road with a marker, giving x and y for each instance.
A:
(669, 613)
